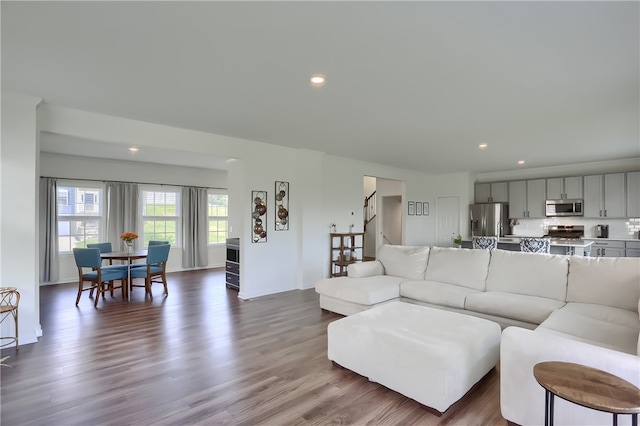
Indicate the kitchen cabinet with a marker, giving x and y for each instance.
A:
(567, 188)
(495, 192)
(614, 195)
(632, 249)
(527, 198)
(536, 197)
(633, 194)
(604, 195)
(607, 248)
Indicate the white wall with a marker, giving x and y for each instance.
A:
(323, 189)
(71, 167)
(19, 265)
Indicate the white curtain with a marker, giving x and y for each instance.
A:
(195, 227)
(49, 230)
(122, 212)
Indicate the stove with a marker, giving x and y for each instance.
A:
(566, 232)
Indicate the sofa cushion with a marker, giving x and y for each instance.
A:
(464, 267)
(436, 293)
(532, 309)
(611, 281)
(532, 274)
(404, 261)
(365, 269)
(364, 291)
(604, 313)
(591, 330)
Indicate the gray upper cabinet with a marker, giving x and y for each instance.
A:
(518, 199)
(555, 188)
(526, 198)
(483, 192)
(612, 195)
(593, 199)
(564, 188)
(615, 203)
(573, 187)
(633, 194)
(604, 195)
(536, 196)
(495, 192)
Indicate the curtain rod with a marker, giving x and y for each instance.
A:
(126, 181)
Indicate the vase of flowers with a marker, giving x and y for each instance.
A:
(128, 238)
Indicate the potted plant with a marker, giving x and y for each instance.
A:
(458, 241)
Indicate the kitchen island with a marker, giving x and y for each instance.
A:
(565, 246)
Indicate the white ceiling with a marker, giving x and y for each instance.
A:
(416, 85)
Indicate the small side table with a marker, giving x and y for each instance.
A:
(9, 300)
(588, 387)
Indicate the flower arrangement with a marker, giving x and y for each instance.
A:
(128, 237)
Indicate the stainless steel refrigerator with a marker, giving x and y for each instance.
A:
(489, 219)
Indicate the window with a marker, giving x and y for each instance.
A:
(79, 216)
(160, 214)
(63, 197)
(218, 217)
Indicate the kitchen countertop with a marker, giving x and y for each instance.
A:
(611, 239)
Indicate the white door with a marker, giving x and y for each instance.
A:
(447, 220)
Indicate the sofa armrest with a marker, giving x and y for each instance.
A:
(522, 398)
(365, 269)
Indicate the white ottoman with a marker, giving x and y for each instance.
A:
(429, 355)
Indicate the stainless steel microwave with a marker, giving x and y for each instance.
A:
(564, 208)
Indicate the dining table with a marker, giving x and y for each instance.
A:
(129, 257)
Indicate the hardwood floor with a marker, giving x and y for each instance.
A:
(202, 356)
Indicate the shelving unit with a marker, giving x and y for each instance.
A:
(233, 264)
(346, 248)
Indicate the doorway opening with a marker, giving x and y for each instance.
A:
(382, 214)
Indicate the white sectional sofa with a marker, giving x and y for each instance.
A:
(553, 307)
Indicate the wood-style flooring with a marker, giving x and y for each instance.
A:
(202, 356)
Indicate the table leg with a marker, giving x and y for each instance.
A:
(634, 419)
(615, 419)
(126, 291)
(548, 408)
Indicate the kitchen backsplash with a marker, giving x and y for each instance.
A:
(618, 228)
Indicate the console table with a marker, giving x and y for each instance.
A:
(588, 387)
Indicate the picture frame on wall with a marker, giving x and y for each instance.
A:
(411, 209)
(418, 208)
(425, 209)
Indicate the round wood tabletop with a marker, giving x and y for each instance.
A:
(588, 387)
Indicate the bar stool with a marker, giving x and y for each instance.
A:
(9, 300)
(490, 243)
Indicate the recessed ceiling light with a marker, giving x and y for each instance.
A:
(230, 160)
(483, 146)
(317, 80)
(521, 162)
(133, 149)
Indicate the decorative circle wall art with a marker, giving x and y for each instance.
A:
(259, 216)
(282, 206)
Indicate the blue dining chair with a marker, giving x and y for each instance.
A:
(155, 267)
(106, 248)
(101, 277)
(158, 243)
